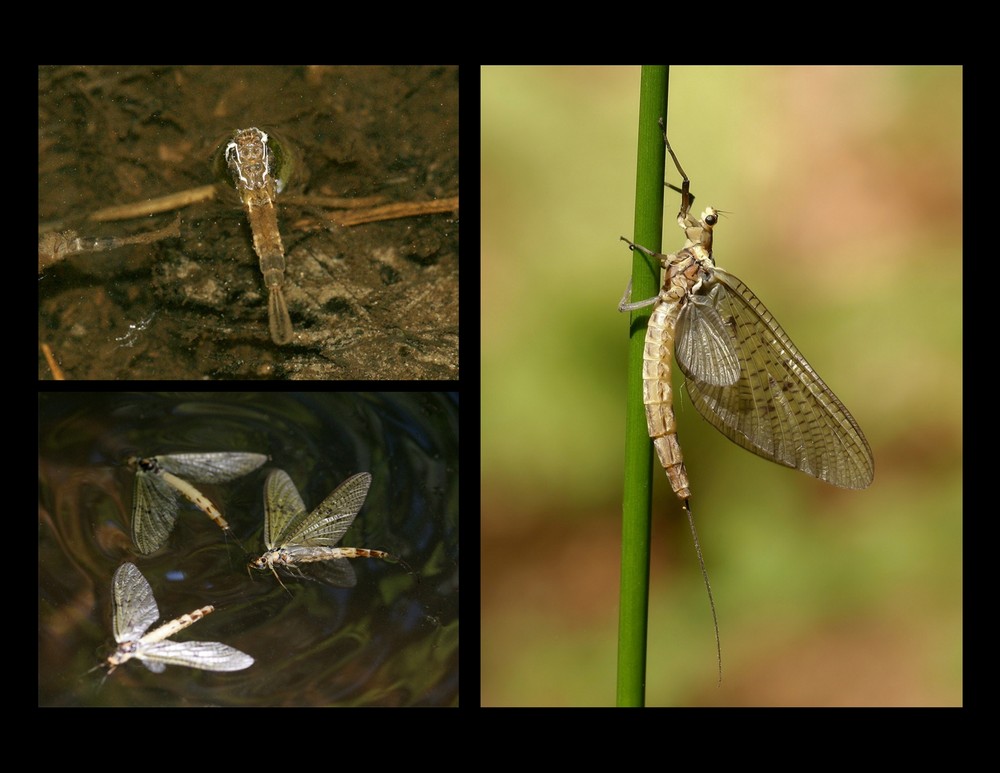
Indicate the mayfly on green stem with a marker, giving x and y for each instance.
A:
(742, 372)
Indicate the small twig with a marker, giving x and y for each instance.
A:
(155, 206)
(330, 202)
(395, 211)
(57, 373)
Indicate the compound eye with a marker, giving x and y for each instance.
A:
(711, 219)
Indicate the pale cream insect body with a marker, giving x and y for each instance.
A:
(159, 479)
(135, 611)
(294, 536)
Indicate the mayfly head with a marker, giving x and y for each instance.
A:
(248, 159)
(265, 562)
(699, 233)
(142, 464)
(120, 655)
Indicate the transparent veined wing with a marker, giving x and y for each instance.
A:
(286, 520)
(154, 511)
(215, 467)
(328, 522)
(133, 606)
(778, 407)
(283, 508)
(705, 344)
(206, 655)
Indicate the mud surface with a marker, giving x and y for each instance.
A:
(371, 301)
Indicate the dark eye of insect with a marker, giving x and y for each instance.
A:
(711, 219)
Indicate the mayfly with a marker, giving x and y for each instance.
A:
(159, 479)
(253, 169)
(53, 247)
(294, 536)
(135, 611)
(743, 373)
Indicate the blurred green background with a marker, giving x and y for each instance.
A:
(843, 194)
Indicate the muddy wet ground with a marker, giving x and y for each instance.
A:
(372, 301)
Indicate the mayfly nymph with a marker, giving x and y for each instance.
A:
(259, 166)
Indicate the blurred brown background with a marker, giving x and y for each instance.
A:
(843, 193)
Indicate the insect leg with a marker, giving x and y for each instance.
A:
(626, 303)
(687, 198)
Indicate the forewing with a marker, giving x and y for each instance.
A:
(779, 408)
(283, 506)
(133, 606)
(704, 344)
(218, 467)
(154, 511)
(207, 655)
(327, 523)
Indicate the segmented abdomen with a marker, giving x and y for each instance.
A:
(657, 393)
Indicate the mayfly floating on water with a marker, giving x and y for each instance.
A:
(294, 536)
(135, 611)
(160, 479)
(743, 373)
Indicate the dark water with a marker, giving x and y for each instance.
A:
(390, 641)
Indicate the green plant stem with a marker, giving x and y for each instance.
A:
(636, 503)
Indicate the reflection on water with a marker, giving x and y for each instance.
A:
(391, 640)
